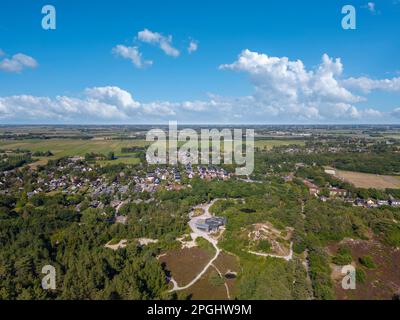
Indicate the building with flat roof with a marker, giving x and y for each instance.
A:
(211, 224)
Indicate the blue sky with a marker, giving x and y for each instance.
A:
(78, 76)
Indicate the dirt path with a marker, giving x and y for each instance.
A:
(306, 262)
(287, 258)
(202, 272)
(226, 286)
(205, 235)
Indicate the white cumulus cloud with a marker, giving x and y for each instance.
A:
(367, 85)
(286, 87)
(17, 62)
(98, 103)
(113, 96)
(133, 54)
(284, 91)
(164, 42)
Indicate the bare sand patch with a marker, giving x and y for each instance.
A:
(121, 244)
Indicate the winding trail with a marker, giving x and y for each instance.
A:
(306, 262)
(287, 258)
(226, 285)
(205, 235)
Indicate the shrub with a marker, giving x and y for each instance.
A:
(264, 245)
(367, 262)
(215, 280)
(360, 276)
(343, 257)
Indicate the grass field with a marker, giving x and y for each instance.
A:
(77, 147)
(269, 144)
(368, 180)
(71, 147)
(74, 147)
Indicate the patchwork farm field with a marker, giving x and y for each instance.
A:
(79, 147)
(367, 180)
(75, 147)
(71, 147)
(269, 144)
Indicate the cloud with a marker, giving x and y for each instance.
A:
(284, 91)
(367, 85)
(133, 54)
(193, 46)
(287, 87)
(98, 103)
(164, 42)
(160, 108)
(2, 53)
(113, 96)
(17, 63)
(396, 113)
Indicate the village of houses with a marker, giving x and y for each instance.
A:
(345, 195)
(119, 191)
(122, 190)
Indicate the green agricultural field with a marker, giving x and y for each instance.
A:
(74, 147)
(71, 147)
(269, 144)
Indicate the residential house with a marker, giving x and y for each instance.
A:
(395, 202)
(121, 219)
(313, 189)
(382, 202)
(336, 192)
